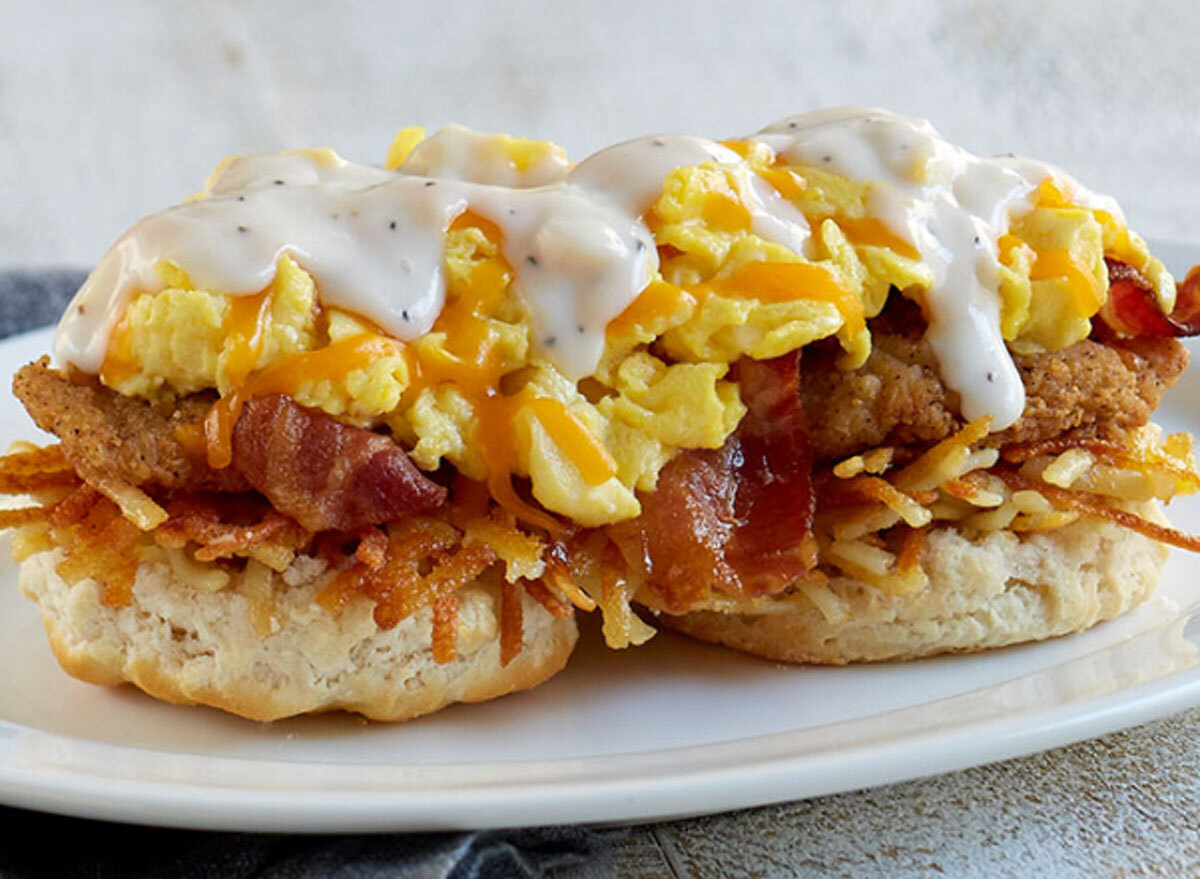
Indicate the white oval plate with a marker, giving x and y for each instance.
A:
(674, 728)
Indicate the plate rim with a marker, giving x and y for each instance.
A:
(627, 798)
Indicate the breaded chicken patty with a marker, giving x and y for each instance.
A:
(898, 397)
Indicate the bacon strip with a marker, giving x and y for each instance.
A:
(1132, 308)
(324, 474)
(775, 500)
(737, 519)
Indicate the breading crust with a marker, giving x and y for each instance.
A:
(898, 397)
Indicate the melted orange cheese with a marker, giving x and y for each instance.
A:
(787, 182)
(784, 282)
(791, 184)
(470, 361)
(288, 377)
(873, 232)
(1059, 263)
(246, 326)
(658, 300)
(119, 364)
(1006, 244)
(1116, 235)
(725, 211)
(570, 433)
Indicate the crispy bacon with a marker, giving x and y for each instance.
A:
(775, 502)
(324, 474)
(1132, 308)
(737, 519)
(686, 524)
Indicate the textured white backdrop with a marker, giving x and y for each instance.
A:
(110, 110)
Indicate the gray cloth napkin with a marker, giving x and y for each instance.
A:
(50, 846)
(35, 297)
(38, 845)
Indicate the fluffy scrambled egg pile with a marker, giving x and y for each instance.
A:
(474, 392)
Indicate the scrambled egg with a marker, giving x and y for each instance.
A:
(662, 384)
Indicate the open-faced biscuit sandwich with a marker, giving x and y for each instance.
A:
(340, 436)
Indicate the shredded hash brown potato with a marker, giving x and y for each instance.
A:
(874, 514)
(979, 489)
(216, 541)
(875, 509)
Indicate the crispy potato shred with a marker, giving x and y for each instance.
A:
(422, 560)
(875, 510)
(874, 513)
(874, 527)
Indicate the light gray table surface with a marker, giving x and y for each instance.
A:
(109, 111)
(1124, 805)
